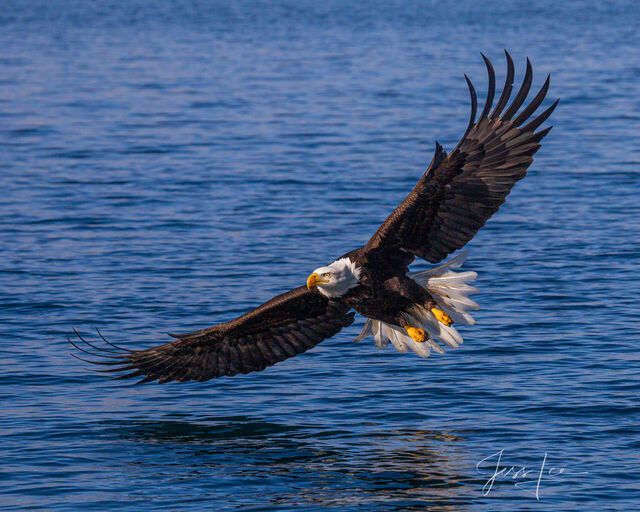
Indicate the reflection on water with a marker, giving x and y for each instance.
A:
(403, 469)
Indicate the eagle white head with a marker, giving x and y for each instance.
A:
(336, 279)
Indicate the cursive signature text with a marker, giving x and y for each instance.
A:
(528, 479)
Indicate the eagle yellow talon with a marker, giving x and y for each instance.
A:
(417, 335)
(442, 317)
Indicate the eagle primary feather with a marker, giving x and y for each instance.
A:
(459, 192)
(454, 198)
(287, 325)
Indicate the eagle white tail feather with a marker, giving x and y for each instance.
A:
(451, 293)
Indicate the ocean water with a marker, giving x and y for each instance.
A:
(168, 165)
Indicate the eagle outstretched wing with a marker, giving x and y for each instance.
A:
(450, 203)
(458, 193)
(287, 325)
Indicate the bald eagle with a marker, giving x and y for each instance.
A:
(455, 197)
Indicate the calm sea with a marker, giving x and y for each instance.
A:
(167, 165)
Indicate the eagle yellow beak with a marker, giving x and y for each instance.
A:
(314, 280)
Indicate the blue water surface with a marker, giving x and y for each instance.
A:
(167, 165)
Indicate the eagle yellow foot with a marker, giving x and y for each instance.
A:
(442, 317)
(417, 335)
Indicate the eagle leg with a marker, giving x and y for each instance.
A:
(442, 317)
(417, 294)
(417, 335)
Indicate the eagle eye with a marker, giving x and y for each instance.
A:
(326, 274)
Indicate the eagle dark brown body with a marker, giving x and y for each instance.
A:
(454, 198)
(385, 292)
